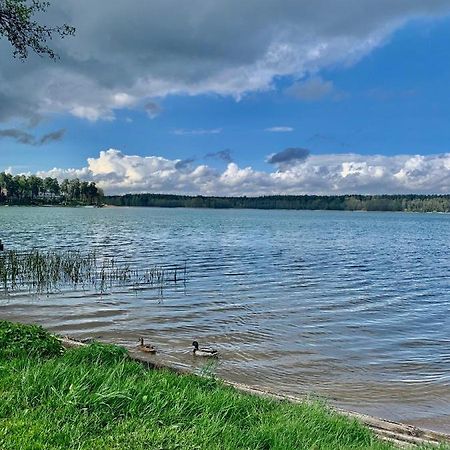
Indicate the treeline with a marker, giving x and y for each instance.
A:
(34, 190)
(413, 203)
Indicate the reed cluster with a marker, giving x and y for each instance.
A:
(49, 271)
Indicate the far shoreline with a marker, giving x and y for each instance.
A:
(439, 203)
(198, 208)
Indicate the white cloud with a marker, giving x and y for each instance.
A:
(135, 51)
(318, 174)
(279, 129)
(197, 132)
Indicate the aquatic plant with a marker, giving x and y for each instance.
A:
(46, 272)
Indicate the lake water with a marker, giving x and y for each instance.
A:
(354, 307)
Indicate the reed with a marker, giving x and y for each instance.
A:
(51, 271)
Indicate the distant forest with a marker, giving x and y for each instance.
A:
(412, 203)
(33, 190)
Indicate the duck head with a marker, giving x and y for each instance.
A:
(195, 344)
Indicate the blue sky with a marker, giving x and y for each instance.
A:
(389, 100)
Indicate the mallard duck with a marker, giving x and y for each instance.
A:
(145, 348)
(203, 351)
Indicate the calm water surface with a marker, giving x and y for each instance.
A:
(350, 306)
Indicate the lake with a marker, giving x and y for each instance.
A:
(353, 307)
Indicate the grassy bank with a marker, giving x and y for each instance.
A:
(97, 398)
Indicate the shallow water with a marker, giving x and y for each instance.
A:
(350, 306)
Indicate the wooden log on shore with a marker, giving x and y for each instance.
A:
(400, 434)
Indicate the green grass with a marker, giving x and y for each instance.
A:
(97, 398)
(17, 340)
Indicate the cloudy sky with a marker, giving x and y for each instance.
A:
(230, 97)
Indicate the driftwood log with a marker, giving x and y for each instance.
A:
(400, 434)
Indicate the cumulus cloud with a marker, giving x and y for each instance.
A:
(224, 155)
(184, 163)
(18, 135)
(26, 138)
(280, 129)
(288, 156)
(54, 136)
(135, 51)
(318, 174)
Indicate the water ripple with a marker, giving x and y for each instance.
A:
(353, 307)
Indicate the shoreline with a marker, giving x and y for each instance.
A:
(163, 362)
(98, 396)
(398, 433)
(198, 208)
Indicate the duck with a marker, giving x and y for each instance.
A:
(208, 352)
(145, 347)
